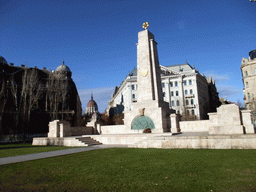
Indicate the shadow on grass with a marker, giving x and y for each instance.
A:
(17, 147)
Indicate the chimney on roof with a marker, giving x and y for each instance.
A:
(22, 65)
(44, 68)
(11, 64)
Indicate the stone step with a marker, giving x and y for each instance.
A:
(88, 141)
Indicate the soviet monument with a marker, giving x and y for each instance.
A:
(226, 129)
(150, 110)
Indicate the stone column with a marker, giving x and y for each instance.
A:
(54, 129)
(175, 124)
(149, 92)
(99, 128)
(247, 121)
(129, 98)
(148, 71)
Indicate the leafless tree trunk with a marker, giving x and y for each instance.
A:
(3, 101)
(14, 91)
(57, 89)
(29, 94)
(34, 90)
(63, 94)
(239, 104)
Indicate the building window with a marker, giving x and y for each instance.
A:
(185, 82)
(171, 93)
(248, 95)
(255, 71)
(178, 103)
(176, 83)
(163, 94)
(191, 91)
(246, 73)
(133, 87)
(187, 112)
(193, 112)
(171, 84)
(177, 93)
(186, 92)
(172, 103)
(247, 84)
(190, 82)
(192, 101)
(133, 96)
(186, 102)
(163, 85)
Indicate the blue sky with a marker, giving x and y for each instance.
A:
(97, 39)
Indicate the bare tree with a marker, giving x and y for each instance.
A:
(57, 89)
(239, 104)
(34, 90)
(63, 94)
(3, 101)
(27, 97)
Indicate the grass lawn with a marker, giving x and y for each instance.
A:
(25, 148)
(126, 169)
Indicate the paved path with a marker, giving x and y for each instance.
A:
(34, 156)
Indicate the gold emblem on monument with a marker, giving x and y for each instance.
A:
(144, 72)
(145, 25)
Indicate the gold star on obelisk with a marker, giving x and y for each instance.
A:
(145, 25)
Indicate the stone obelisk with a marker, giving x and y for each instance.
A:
(150, 111)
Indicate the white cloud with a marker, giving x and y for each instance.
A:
(217, 77)
(224, 88)
(101, 96)
(227, 91)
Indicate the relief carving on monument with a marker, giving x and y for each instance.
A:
(144, 72)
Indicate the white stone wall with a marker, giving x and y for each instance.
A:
(113, 129)
(194, 126)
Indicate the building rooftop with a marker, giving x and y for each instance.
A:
(2, 60)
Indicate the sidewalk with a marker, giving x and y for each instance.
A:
(34, 156)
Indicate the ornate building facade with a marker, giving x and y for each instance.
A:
(184, 88)
(31, 97)
(91, 110)
(248, 69)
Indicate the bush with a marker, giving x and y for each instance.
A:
(105, 120)
(118, 119)
(148, 130)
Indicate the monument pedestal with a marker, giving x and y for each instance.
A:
(227, 120)
(152, 110)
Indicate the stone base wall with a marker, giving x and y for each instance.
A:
(118, 129)
(119, 139)
(59, 141)
(76, 131)
(204, 142)
(113, 129)
(194, 126)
